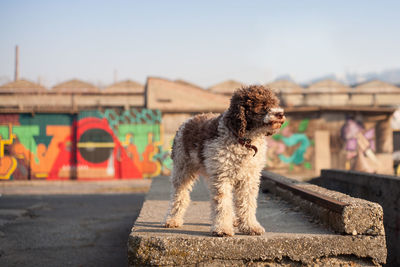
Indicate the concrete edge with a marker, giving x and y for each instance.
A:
(358, 216)
(304, 250)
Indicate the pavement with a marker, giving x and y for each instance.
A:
(74, 187)
(68, 223)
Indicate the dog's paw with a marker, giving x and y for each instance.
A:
(223, 232)
(252, 230)
(172, 223)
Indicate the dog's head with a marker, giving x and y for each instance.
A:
(254, 107)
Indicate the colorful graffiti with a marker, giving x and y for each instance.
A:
(359, 144)
(91, 145)
(8, 164)
(290, 149)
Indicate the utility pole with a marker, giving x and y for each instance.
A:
(16, 77)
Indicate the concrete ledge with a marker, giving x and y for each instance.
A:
(291, 237)
(383, 189)
(351, 216)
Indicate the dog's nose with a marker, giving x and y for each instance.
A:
(277, 113)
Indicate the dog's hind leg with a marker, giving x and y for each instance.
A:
(182, 179)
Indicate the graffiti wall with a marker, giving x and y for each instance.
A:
(359, 146)
(368, 146)
(362, 143)
(292, 149)
(92, 145)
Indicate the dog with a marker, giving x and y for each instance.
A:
(230, 151)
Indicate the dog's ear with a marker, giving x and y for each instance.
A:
(236, 120)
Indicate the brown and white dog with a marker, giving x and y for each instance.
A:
(230, 150)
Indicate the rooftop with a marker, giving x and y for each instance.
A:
(126, 86)
(22, 86)
(75, 86)
(226, 87)
(171, 96)
(328, 85)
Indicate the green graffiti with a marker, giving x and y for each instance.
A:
(307, 165)
(132, 116)
(42, 120)
(303, 125)
(26, 136)
(284, 125)
(164, 158)
(139, 134)
(277, 137)
(90, 114)
(45, 119)
(4, 132)
(298, 155)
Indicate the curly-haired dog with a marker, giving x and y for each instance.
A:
(230, 150)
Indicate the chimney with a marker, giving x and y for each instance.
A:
(16, 77)
(115, 76)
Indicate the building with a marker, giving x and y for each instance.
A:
(77, 131)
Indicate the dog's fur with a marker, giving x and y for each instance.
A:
(230, 150)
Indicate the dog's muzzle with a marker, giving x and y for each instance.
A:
(275, 115)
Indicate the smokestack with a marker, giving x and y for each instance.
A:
(115, 76)
(16, 77)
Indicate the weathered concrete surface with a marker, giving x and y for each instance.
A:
(357, 217)
(383, 189)
(291, 237)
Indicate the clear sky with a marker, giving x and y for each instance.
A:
(204, 42)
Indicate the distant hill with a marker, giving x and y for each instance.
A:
(391, 76)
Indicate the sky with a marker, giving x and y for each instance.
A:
(203, 42)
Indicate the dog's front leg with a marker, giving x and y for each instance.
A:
(221, 207)
(246, 193)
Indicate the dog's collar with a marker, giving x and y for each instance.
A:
(247, 143)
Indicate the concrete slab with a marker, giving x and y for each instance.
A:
(291, 237)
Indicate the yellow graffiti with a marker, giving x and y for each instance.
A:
(8, 141)
(156, 145)
(96, 145)
(41, 175)
(151, 155)
(11, 166)
(7, 164)
(127, 141)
